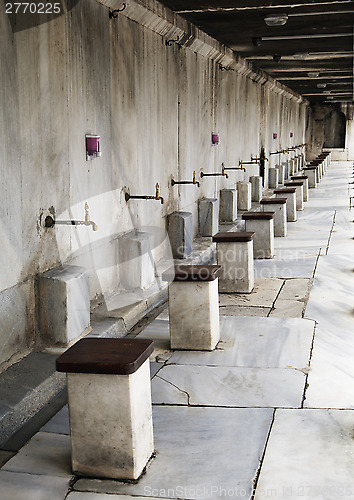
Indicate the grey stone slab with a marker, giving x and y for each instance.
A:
(5, 456)
(59, 424)
(228, 205)
(309, 455)
(295, 289)
(137, 267)
(244, 311)
(197, 449)
(288, 309)
(45, 454)
(264, 294)
(229, 386)
(19, 486)
(291, 266)
(107, 327)
(154, 368)
(180, 233)
(208, 216)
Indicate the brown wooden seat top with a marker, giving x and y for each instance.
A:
(294, 183)
(285, 190)
(258, 215)
(232, 237)
(184, 272)
(272, 201)
(105, 356)
(300, 177)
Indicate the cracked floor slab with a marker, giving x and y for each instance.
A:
(198, 449)
(264, 294)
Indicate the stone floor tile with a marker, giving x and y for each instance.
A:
(45, 454)
(59, 424)
(295, 289)
(310, 454)
(264, 294)
(198, 449)
(5, 456)
(287, 309)
(244, 311)
(228, 386)
(19, 486)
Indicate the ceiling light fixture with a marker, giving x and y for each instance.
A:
(322, 85)
(313, 74)
(276, 20)
(276, 58)
(301, 55)
(256, 40)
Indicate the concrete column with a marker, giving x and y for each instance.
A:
(180, 233)
(235, 256)
(228, 205)
(290, 195)
(110, 406)
(262, 224)
(193, 305)
(299, 193)
(63, 304)
(256, 187)
(281, 174)
(278, 206)
(244, 195)
(273, 175)
(137, 266)
(305, 180)
(286, 170)
(208, 216)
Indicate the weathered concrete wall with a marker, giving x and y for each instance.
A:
(154, 106)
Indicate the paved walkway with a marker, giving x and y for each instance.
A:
(270, 413)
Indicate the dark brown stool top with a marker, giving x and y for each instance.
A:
(276, 201)
(258, 215)
(232, 237)
(308, 167)
(285, 190)
(184, 272)
(300, 177)
(294, 183)
(109, 356)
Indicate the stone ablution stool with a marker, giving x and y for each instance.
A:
(256, 187)
(299, 193)
(278, 206)
(228, 205)
(193, 304)
(316, 164)
(305, 180)
(235, 255)
(262, 224)
(109, 397)
(273, 177)
(281, 176)
(311, 173)
(244, 201)
(290, 195)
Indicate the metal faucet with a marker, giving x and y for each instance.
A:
(146, 197)
(235, 168)
(50, 222)
(194, 181)
(223, 173)
(87, 221)
(241, 162)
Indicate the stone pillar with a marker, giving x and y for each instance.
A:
(244, 195)
(235, 256)
(63, 304)
(262, 224)
(290, 195)
(299, 193)
(180, 233)
(305, 180)
(312, 176)
(273, 174)
(281, 174)
(208, 216)
(278, 206)
(194, 307)
(228, 205)
(137, 266)
(110, 406)
(256, 187)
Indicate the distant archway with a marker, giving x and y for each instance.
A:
(334, 130)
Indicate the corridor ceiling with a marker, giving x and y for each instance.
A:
(317, 38)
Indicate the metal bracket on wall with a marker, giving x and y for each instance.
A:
(113, 14)
(169, 43)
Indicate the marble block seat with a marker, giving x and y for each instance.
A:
(290, 195)
(193, 304)
(110, 411)
(311, 173)
(262, 224)
(305, 180)
(278, 206)
(299, 186)
(235, 255)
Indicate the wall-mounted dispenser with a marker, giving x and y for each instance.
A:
(275, 135)
(291, 134)
(92, 146)
(215, 138)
